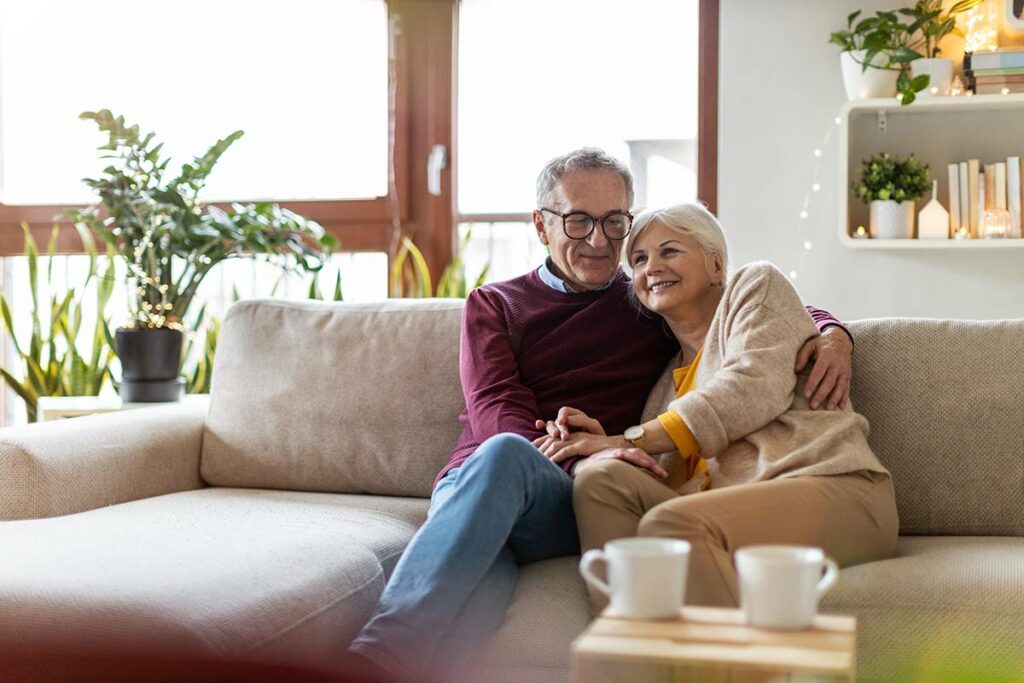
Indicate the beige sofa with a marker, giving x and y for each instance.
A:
(261, 533)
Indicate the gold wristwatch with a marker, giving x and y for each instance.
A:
(635, 435)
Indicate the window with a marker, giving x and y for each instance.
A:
(537, 79)
(315, 128)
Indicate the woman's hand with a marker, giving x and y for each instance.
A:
(634, 456)
(578, 444)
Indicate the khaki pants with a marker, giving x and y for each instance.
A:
(851, 516)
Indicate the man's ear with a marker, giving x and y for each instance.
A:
(540, 227)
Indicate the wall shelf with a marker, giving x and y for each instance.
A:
(938, 131)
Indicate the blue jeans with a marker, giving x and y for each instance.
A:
(505, 506)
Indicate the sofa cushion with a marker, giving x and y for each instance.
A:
(216, 573)
(944, 401)
(944, 608)
(349, 398)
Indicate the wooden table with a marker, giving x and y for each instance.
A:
(710, 645)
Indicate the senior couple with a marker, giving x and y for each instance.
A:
(743, 439)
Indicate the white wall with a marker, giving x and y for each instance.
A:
(780, 90)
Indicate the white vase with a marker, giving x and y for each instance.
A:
(892, 220)
(940, 73)
(872, 82)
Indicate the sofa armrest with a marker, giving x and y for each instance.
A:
(82, 463)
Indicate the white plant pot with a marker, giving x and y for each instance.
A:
(939, 70)
(892, 220)
(873, 82)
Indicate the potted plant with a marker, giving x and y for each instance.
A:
(933, 25)
(170, 241)
(890, 186)
(876, 55)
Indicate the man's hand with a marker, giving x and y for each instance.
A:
(568, 420)
(829, 381)
(634, 456)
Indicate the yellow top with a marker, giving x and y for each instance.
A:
(685, 378)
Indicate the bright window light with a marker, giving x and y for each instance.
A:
(538, 78)
(306, 80)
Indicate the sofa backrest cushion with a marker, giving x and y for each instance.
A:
(339, 397)
(945, 401)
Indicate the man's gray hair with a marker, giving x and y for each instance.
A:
(583, 159)
(688, 219)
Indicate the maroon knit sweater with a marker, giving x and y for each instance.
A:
(528, 349)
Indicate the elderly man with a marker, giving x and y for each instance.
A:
(564, 334)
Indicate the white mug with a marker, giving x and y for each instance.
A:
(780, 585)
(646, 576)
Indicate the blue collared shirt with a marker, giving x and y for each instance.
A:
(556, 283)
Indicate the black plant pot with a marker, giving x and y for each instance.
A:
(150, 364)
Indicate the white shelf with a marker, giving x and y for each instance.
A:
(936, 130)
(930, 244)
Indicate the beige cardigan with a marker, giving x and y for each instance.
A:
(747, 410)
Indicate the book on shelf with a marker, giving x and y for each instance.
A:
(1013, 191)
(973, 171)
(954, 198)
(995, 59)
(994, 73)
(998, 88)
(990, 188)
(982, 203)
(1000, 185)
(965, 202)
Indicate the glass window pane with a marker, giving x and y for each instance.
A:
(306, 81)
(539, 78)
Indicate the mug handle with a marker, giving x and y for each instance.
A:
(830, 577)
(586, 562)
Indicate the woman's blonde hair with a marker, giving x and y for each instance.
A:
(688, 219)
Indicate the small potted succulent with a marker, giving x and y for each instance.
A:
(154, 221)
(890, 186)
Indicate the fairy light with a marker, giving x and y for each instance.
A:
(813, 188)
(981, 27)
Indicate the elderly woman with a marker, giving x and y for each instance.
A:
(746, 459)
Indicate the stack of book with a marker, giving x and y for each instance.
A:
(975, 187)
(995, 72)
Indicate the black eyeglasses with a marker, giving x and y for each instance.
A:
(578, 225)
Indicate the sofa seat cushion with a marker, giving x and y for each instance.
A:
(549, 610)
(232, 574)
(944, 608)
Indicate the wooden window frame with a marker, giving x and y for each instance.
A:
(425, 43)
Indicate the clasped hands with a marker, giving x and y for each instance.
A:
(573, 433)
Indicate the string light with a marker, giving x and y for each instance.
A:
(814, 187)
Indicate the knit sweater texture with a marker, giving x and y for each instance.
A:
(747, 409)
(527, 350)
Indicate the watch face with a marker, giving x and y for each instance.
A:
(635, 432)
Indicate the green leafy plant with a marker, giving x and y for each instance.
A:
(410, 276)
(883, 34)
(53, 362)
(199, 377)
(933, 25)
(170, 240)
(884, 176)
